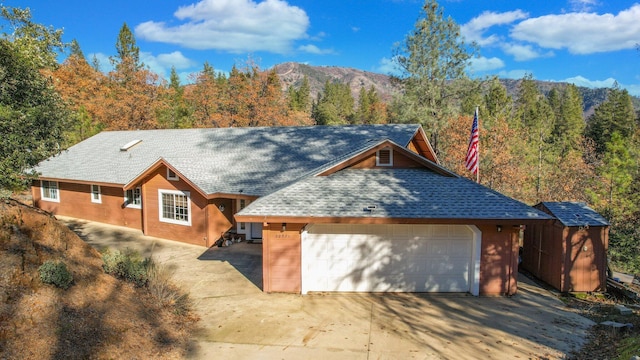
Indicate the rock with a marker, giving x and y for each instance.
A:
(624, 310)
(617, 325)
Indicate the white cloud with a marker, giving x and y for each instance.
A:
(524, 52)
(387, 66)
(232, 25)
(582, 32)
(514, 74)
(481, 64)
(475, 28)
(175, 59)
(583, 5)
(312, 49)
(633, 89)
(162, 63)
(582, 81)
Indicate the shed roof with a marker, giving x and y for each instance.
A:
(249, 161)
(414, 193)
(575, 213)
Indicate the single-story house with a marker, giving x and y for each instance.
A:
(350, 208)
(569, 253)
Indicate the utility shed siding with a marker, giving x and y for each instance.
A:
(571, 253)
(75, 201)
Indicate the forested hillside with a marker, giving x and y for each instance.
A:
(535, 144)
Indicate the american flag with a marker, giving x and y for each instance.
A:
(471, 161)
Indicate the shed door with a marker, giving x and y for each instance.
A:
(387, 258)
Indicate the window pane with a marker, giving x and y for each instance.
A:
(50, 190)
(168, 206)
(137, 198)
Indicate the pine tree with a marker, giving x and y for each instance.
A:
(432, 58)
(616, 114)
(127, 50)
(334, 105)
(569, 125)
(76, 50)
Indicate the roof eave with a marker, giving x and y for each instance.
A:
(385, 220)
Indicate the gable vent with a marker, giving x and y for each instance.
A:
(129, 145)
(384, 157)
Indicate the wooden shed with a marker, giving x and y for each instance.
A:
(569, 254)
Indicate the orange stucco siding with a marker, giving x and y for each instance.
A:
(498, 260)
(75, 201)
(281, 253)
(198, 232)
(207, 222)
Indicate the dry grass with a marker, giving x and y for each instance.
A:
(98, 317)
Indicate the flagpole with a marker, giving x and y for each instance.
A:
(478, 119)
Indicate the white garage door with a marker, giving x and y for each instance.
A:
(377, 258)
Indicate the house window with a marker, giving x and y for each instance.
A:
(384, 157)
(133, 198)
(175, 207)
(49, 191)
(171, 175)
(96, 197)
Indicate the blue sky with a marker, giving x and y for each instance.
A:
(586, 42)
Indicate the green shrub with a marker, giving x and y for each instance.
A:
(55, 273)
(127, 265)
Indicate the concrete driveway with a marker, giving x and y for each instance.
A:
(239, 321)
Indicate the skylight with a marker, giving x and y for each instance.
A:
(130, 144)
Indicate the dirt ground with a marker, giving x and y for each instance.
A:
(98, 317)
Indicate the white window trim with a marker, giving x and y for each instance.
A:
(99, 199)
(175, 176)
(173, 221)
(240, 225)
(128, 202)
(44, 198)
(390, 157)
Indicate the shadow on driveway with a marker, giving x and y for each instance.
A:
(245, 257)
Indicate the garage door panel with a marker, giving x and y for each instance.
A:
(415, 258)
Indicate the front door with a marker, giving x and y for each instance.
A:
(256, 230)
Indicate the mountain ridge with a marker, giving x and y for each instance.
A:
(292, 74)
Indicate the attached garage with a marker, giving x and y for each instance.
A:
(407, 226)
(390, 258)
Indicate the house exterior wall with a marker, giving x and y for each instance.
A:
(198, 232)
(281, 256)
(75, 201)
(498, 260)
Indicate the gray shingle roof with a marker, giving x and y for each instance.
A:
(252, 161)
(396, 193)
(575, 214)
